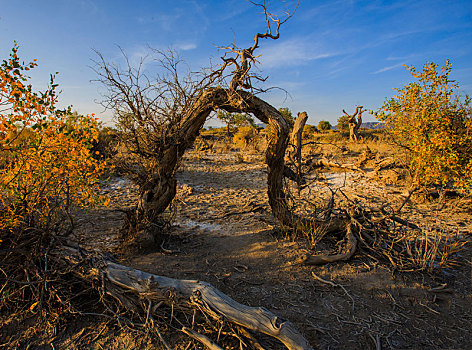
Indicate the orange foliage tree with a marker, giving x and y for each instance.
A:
(432, 124)
(45, 159)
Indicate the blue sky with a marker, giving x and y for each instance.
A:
(331, 55)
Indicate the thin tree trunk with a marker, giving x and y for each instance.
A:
(296, 144)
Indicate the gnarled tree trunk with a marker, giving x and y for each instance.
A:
(354, 124)
(157, 193)
(295, 154)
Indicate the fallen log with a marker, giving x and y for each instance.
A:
(187, 294)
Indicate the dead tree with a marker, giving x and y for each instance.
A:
(295, 149)
(354, 124)
(161, 118)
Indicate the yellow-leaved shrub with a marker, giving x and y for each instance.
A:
(45, 158)
(432, 124)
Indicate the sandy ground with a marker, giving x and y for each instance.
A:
(224, 234)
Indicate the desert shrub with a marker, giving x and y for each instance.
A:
(235, 120)
(245, 136)
(47, 169)
(288, 116)
(343, 123)
(105, 147)
(432, 125)
(324, 125)
(309, 131)
(330, 137)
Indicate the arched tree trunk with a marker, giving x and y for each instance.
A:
(156, 195)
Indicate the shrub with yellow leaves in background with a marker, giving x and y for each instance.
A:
(432, 124)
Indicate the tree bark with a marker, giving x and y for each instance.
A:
(296, 136)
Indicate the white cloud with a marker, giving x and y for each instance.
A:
(386, 69)
(292, 53)
(185, 46)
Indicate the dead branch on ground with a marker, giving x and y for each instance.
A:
(131, 287)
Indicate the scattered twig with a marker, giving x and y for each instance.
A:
(410, 192)
(201, 338)
(169, 251)
(156, 328)
(250, 338)
(377, 342)
(332, 284)
(429, 308)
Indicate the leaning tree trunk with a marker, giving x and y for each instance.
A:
(158, 193)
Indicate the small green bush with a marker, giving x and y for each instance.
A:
(324, 125)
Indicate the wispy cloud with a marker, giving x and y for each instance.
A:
(200, 11)
(89, 6)
(136, 56)
(185, 46)
(289, 85)
(391, 67)
(292, 53)
(401, 58)
(231, 13)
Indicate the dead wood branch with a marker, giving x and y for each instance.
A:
(401, 221)
(296, 136)
(354, 124)
(295, 149)
(331, 164)
(351, 246)
(201, 338)
(130, 285)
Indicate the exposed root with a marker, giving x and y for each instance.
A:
(325, 259)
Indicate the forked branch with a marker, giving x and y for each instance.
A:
(354, 124)
(244, 58)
